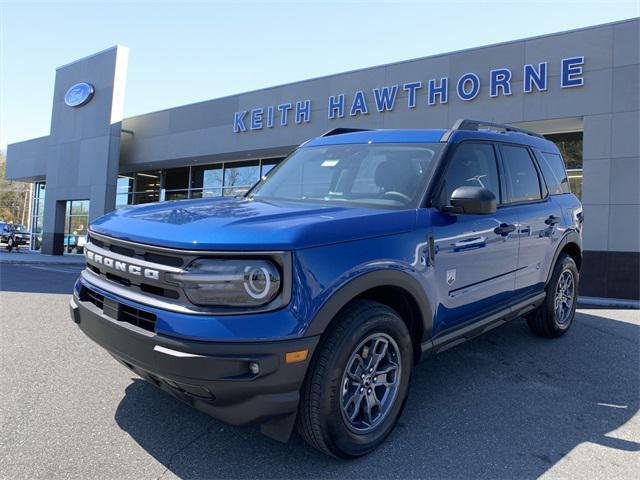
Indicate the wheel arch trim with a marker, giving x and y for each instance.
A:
(367, 281)
(572, 237)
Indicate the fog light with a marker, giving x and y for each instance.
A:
(254, 368)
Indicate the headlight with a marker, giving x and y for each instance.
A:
(229, 283)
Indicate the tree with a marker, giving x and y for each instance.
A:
(14, 197)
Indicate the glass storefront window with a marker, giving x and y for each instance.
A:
(208, 176)
(176, 194)
(147, 181)
(146, 187)
(78, 207)
(123, 190)
(575, 181)
(200, 181)
(125, 184)
(234, 191)
(145, 197)
(241, 174)
(267, 166)
(75, 226)
(176, 178)
(570, 146)
(37, 215)
(206, 193)
(123, 199)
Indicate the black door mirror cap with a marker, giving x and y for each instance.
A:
(472, 201)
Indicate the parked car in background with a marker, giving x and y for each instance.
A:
(13, 235)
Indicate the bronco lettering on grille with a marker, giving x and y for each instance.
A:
(125, 267)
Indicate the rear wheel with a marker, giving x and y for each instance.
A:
(356, 387)
(554, 317)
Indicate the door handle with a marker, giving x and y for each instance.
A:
(552, 220)
(504, 229)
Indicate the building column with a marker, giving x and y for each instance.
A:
(83, 151)
(53, 226)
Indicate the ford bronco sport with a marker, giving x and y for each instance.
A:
(307, 301)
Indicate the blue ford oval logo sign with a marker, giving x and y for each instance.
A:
(79, 94)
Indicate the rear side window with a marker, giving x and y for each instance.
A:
(521, 174)
(472, 165)
(554, 173)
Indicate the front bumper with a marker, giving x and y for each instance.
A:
(213, 377)
(20, 241)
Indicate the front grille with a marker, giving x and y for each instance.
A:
(159, 291)
(119, 311)
(127, 252)
(139, 253)
(118, 279)
(163, 259)
(138, 283)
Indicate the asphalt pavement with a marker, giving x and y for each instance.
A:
(505, 405)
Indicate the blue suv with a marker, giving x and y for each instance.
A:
(307, 301)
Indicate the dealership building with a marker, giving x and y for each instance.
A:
(578, 88)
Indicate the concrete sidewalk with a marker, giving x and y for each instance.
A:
(28, 257)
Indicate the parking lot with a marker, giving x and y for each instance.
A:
(505, 405)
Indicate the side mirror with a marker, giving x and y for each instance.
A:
(472, 200)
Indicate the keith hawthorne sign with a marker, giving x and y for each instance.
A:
(435, 91)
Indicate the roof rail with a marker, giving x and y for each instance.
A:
(475, 125)
(341, 130)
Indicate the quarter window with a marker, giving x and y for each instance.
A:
(521, 174)
(554, 173)
(472, 165)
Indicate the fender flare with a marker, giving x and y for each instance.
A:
(367, 281)
(570, 237)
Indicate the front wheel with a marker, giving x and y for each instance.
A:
(554, 317)
(10, 244)
(358, 382)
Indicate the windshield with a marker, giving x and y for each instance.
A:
(387, 175)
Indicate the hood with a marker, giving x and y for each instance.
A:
(249, 224)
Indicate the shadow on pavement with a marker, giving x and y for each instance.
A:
(506, 405)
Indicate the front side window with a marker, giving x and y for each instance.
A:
(472, 165)
(386, 175)
(521, 174)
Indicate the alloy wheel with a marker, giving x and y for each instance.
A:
(370, 382)
(564, 297)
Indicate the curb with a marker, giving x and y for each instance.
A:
(609, 302)
(36, 262)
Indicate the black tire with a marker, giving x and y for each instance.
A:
(545, 320)
(10, 244)
(321, 420)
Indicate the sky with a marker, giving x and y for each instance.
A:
(183, 52)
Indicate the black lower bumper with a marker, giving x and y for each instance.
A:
(212, 377)
(19, 242)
